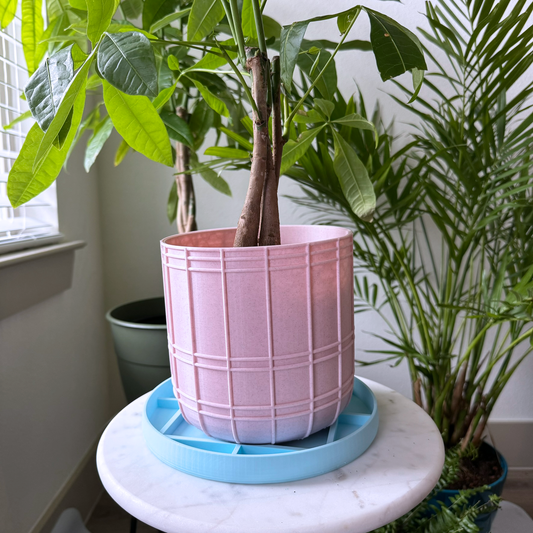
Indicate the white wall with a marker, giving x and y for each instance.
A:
(54, 397)
(133, 197)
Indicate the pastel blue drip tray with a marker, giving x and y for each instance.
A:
(183, 447)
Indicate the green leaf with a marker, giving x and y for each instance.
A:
(418, 80)
(116, 27)
(94, 82)
(164, 96)
(178, 130)
(172, 203)
(99, 15)
(32, 31)
(20, 118)
(291, 40)
(121, 152)
(214, 179)
(205, 15)
(88, 123)
(200, 122)
(127, 61)
(96, 142)
(245, 143)
(55, 9)
(230, 153)
(344, 20)
(324, 106)
(78, 4)
(354, 180)
(131, 8)
(8, 9)
(210, 61)
(155, 10)
(294, 150)
(357, 121)
(213, 61)
(23, 182)
(46, 87)
(139, 124)
(173, 63)
(396, 49)
(61, 138)
(308, 117)
(249, 29)
(271, 27)
(78, 56)
(165, 21)
(327, 83)
(248, 124)
(74, 88)
(212, 101)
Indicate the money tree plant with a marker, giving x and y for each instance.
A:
(184, 67)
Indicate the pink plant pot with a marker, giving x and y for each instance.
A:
(261, 339)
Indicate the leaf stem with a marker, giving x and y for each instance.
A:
(202, 45)
(259, 25)
(227, 10)
(242, 80)
(237, 28)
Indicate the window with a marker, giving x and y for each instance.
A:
(34, 223)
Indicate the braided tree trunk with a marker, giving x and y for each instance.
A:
(259, 221)
(186, 216)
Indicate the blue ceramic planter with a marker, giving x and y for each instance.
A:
(484, 521)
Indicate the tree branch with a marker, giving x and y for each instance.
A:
(248, 227)
(270, 225)
(186, 217)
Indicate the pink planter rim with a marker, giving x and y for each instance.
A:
(174, 241)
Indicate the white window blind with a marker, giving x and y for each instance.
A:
(34, 223)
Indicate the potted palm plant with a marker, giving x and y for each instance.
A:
(447, 262)
(261, 332)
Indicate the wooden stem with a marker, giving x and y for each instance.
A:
(417, 392)
(270, 226)
(249, 222)
(186, 217)
(458, 393)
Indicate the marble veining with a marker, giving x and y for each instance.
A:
(391, 477)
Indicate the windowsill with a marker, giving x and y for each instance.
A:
(29, 277)
(29, 254)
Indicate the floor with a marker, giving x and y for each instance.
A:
(108, 517)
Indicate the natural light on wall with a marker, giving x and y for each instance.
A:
(35, 223)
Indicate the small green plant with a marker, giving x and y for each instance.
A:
(457, 517)
(148, 73)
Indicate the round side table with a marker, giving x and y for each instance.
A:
(396, 473)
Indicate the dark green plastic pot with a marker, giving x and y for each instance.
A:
(140, 337)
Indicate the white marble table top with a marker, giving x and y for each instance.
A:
(390, 478)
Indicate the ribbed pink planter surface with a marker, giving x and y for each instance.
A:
(261, 339)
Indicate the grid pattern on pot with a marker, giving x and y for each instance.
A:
(266, 367)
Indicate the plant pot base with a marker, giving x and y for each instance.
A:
(186, 448)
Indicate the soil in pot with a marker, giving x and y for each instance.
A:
(482, 470)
